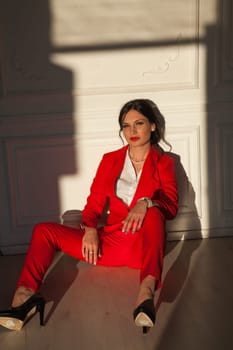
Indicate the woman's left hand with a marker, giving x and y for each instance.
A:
(134, 220)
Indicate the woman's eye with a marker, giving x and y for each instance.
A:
(124, 126)
(139, 123)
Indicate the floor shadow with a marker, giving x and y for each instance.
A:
(187, 219)
(58, 281)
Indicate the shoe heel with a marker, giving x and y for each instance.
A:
(144, 330)
(40, 309)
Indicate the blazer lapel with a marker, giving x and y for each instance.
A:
(119, 163)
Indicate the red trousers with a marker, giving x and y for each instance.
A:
(143, 250)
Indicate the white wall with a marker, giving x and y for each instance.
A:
(67, 67)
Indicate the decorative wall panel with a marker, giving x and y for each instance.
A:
(35, 166)
(60, 52)
(128, 42)
(186, 145)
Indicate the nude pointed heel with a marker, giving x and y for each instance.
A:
(144, 315)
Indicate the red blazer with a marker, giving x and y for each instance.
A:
(157, 181)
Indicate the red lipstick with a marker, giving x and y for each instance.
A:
(134, 138)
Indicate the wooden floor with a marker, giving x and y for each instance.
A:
(91, 307)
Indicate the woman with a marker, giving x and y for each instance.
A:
(138, 182)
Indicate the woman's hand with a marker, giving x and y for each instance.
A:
(90, 245)
(134, 220)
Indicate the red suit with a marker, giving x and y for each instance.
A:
(143, 249)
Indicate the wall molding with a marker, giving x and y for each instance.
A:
(34, 168)
(156, 61)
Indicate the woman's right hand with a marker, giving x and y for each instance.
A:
(90, 245)
(134, 220)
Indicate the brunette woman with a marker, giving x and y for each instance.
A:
(139, 183)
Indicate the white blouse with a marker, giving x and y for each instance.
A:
(127, 182)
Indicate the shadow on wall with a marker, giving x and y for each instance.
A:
(42, 139)
(187, 220)
(194, 304)
(28, 46)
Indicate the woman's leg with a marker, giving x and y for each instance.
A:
(47, 238)
(152, 253)
(153, 243)
(143, 250)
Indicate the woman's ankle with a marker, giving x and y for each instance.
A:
(146, 289)
(21, 295)
(144, 294)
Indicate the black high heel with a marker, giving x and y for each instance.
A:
(144, 315)
(15, 317)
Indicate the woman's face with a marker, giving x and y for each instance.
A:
(136, 128)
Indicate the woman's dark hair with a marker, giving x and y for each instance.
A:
(149, 110)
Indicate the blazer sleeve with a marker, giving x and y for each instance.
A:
(167, 195)
(97, 197)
